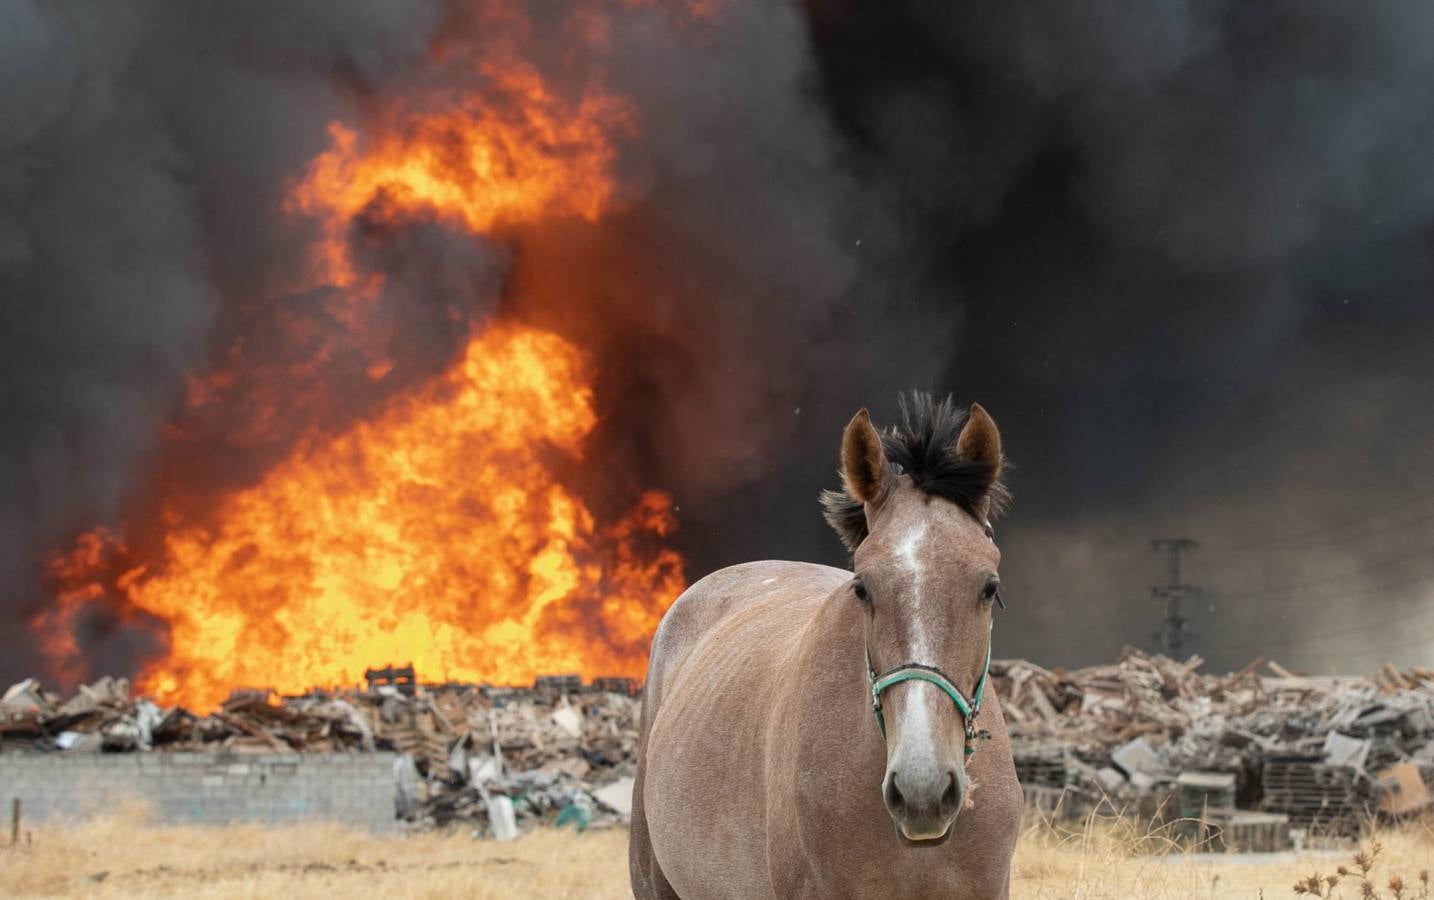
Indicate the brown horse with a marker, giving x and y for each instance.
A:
(765, 769)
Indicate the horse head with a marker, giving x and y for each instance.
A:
(915, 512)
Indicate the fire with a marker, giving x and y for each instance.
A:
(446, 528)
(74, 571)
(436, 532)
(511, 153)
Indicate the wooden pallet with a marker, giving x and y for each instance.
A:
(1201, 792)
(1321, 798)
(1043, 765)
(1244, 831)
(1045, 772)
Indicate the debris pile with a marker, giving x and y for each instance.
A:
(558, 752)
(1324, 751)
(1262, 750)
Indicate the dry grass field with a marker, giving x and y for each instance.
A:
(124, 857)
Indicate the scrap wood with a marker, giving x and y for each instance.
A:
(252, 731)
(1345, 727)
(551, 749)
(1280, 670)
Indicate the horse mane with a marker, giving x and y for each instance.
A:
(922, 445)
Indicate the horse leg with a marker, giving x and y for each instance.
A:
(648, 882)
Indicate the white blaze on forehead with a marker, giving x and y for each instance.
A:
(918, 725)
(909, 550)
(911, 542)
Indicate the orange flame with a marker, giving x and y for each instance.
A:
(435, 533)
(514, 153)
(74, 572)
(442, 530)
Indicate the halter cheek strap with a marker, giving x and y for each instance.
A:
(918, 672)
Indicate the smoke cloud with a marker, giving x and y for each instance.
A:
(1179, 250)
(1190, 242)
(145, 151)
(163, 343)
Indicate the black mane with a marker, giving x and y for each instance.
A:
(922, 446)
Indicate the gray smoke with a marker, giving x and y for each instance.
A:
(149, 151)
(144, 152)
(1192, 242)
(1178, 249)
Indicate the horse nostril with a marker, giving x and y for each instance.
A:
(892, 795)
(951, 797)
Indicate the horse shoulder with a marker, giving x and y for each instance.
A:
(697, 613)
(715, 659)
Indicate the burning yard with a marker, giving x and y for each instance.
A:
(443, 525)
(457, 753)
(1256, 760)
(410, 411)
(1126, 768)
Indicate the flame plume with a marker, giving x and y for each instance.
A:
(444, 528)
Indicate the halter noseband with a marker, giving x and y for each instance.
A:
(918, 672)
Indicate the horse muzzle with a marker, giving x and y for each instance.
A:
(923, 802)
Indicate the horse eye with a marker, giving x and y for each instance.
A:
(992, 590)
(861, 593)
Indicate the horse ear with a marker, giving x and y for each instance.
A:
(980, 441)
(863, 461)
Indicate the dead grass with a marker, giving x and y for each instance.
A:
(1107, 858)
(122, 856)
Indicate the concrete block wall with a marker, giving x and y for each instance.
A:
(355, 789)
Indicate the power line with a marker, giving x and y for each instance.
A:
(1405, 645)
(1421, 553)
(1299, 642)
(1368, 629)
(1328, 592)
(1172, 632)
(1402, 613)
(1351, 537)
(1371, 579)
(1337, 527)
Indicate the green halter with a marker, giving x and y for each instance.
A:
(918, 672)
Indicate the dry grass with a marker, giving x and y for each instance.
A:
(124, 857)
(1111, 858)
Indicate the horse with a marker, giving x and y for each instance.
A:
(808, 731)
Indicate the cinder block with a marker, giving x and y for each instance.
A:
(205, 787)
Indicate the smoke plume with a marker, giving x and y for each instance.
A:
(1190, 243)
(1179, 250)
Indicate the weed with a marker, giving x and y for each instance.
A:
(1362, 877)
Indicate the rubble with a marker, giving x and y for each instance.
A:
(1258, 753)
(1317, 750)
(560, 751)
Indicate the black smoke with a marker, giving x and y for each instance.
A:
(1181, 251)
(1178, 250)
(1190, 243)
(145, 152)
(150, 150)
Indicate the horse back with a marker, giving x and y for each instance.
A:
(701, 611)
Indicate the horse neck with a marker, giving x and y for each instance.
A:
(836, 635)
(830, 677)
